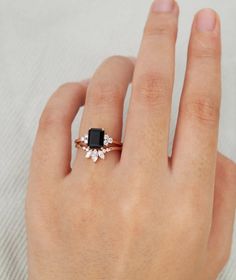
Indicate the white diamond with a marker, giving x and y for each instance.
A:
(106, 142)
(82, 138)
(86, 141)
(88, 154)
(101, 154)
(110, 140)
(94, 159)
(106, 136)
(94, 155)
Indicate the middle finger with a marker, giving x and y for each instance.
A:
(149, 113)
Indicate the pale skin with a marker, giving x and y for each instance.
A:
(139, 214)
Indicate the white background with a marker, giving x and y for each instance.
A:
(45, 43)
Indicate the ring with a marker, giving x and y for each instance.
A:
(96, 144)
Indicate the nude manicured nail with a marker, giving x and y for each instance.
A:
(206, 20)
(163, 6)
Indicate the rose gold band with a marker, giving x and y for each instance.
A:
(81, 143)
(111, 148)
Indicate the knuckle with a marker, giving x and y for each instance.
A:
(204, 110)
(54, 114)
(205, 48)
(106, 92)
(153, 88)
(51, 117)
(164, 27)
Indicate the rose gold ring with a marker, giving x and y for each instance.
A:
(96, 144)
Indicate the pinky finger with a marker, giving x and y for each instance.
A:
(52, 148)
(220, 240)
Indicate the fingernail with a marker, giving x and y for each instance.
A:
(206, 20)
(163, 6)
(85, 82)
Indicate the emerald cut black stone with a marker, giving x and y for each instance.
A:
(95, 138)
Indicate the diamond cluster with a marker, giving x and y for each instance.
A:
(95, 154)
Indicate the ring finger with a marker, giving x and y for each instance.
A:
(104, 102)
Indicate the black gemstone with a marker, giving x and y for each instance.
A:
(95, 138)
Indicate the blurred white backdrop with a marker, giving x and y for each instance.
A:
(46, 43)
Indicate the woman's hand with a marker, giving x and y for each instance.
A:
(137, 214)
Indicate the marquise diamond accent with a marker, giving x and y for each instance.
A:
(101, 154)
(95, 154)
(88, 154)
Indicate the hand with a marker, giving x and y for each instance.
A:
(137, 214)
